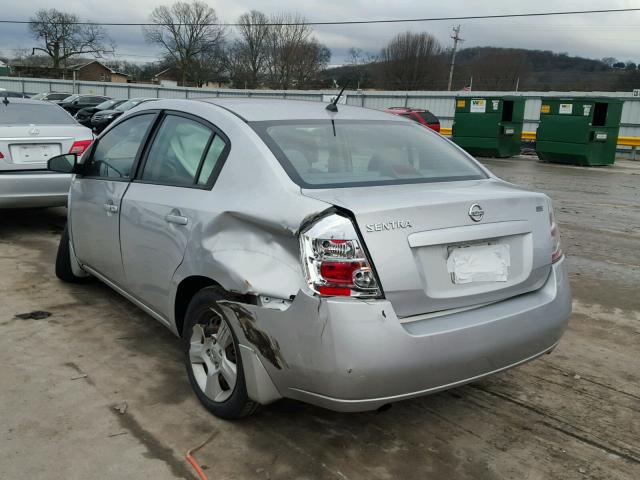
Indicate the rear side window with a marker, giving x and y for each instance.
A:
(116, 152)
(322, 154)
(429, 117)
(29, 113)
(184, 153)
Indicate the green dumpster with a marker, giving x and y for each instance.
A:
(579, 131)
(489, 126)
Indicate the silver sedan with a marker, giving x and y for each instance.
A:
(32, 132)
(345, 258)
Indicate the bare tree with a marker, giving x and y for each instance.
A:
(186, 31)
(252, 48)
(286, 38)
(411, 61)
(499, 69)
(311, 58)
(63, 37)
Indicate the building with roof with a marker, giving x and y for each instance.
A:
(94, 71)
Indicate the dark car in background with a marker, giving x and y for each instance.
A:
(421, 116)
(84, 116)
(102, 119)
(73, 103)
(55, 97)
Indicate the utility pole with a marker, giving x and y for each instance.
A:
(456, 40)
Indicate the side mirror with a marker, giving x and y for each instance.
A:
(63, 163)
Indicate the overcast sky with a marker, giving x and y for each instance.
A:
(594, 36)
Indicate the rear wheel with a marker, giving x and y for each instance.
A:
(63, 260)
(213, 360)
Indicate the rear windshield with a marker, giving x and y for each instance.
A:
(129, 104)
(33, 113)
(57, 96)
(321, 154)
(108, 104)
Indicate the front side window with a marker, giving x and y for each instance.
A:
(184, 153)
(116, 152)
(342, 153)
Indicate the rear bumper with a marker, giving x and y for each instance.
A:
(33, 189)
(351, 355)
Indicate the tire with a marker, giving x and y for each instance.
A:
(210, 352)
(63, 260)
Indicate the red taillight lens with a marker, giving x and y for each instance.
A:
(1, 156)
(80, 146)
(334, 262)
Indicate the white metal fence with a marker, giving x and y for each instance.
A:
(441, 104)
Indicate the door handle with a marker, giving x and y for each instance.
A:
(177, 219)
(110, 208)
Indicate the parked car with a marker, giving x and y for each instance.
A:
(423, 117)
(32, 132)
(84, 116)
(101, 120)
(9, 94)
(74, 103)
(348, 259)
(50, 96)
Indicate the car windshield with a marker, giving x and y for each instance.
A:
(39, 96)
(33, 113)
(128, 105)
(70, 98)
(107, 105)
(321, 154)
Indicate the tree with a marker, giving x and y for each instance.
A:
(631, 66)
(499, 69)
(609, 61)
(312, 57)
(285, 41)
(188, 32)
(252, 48)
(412, 61)
(63, 37)
(619, 65)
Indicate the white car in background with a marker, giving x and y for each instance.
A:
(31, 132)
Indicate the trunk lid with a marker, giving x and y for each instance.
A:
(411, 231)
(29, 147)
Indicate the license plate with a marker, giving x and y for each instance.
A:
(479, 263)
(34, 153)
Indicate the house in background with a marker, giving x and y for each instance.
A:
(94, 71)
(166, 78)
(169, 78)
(5, 70)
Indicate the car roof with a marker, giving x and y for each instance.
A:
(27, 101)
(406, 109)
(267, 109)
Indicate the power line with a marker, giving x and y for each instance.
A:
(356, 22)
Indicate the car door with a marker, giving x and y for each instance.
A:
(161, 206)
(96, 195)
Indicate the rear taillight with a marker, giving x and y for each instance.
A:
(1, 156)
(334, 260)
(80, 146)
(556, 248)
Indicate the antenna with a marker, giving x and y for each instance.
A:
(333, 106)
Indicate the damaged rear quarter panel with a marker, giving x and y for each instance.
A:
(244, 235)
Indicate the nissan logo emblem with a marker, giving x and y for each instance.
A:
(476, 213)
